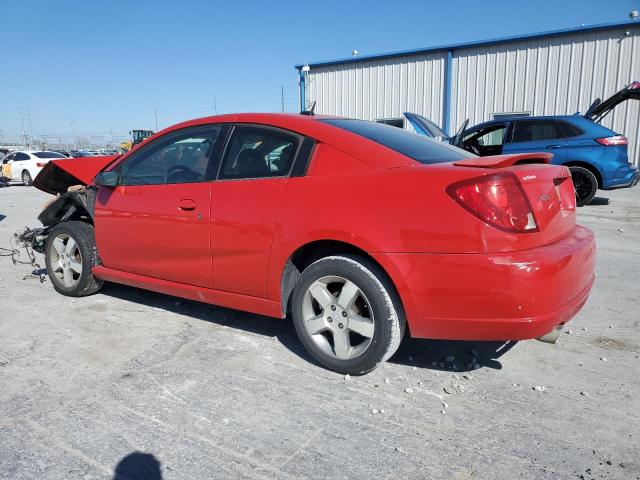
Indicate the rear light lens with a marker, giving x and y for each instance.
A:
(498, 200)
(610, 141)
(40, 164)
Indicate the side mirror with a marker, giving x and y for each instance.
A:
(107, 179)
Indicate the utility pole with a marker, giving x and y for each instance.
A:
(282, 96)
(156, 119)
(215, 105)
(30, 130)
(21, 118)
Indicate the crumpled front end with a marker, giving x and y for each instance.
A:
(58, 175)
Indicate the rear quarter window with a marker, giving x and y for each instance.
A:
(570, 130)
(417, 147)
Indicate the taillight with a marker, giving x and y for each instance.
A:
(498, 200)
(610, 141)
(40, 164)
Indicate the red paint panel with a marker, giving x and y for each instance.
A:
(142, 230)
(498, 296)
(243, 220)
(200, 294)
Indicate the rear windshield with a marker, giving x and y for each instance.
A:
(417, 147)
(48, 155)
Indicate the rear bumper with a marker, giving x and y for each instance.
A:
(629, 180)
(499, 296)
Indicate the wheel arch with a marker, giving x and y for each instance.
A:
(589, 166)
(308, 253)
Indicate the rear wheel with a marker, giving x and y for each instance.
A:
(26, 178)
(585, 184)
(347, 314)
(70, 256)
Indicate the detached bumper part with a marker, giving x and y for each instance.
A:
(552, 336)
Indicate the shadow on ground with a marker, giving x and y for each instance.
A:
(599, 201)
(138, 466)
(447, 355)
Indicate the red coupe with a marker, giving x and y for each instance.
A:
(357, 230)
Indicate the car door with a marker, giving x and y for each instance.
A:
(485, 140)
(538, 135)
(245, 200)
(7, 166)
(21, 161)
(426, 127)
(156, 222)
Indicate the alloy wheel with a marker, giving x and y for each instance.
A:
(338, 317)
(582, 185)
(66, 260)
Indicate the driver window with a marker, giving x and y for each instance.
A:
(486, 141)
(492, 138)
(182, 157)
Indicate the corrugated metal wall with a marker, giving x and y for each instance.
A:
(555, 75)
(380, 88)
(550, 76)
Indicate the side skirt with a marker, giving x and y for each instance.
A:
(260, 306)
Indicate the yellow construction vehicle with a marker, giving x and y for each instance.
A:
(137, 136)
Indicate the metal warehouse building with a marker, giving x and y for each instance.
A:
(551, 73)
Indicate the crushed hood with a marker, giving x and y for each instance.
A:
(58, 175)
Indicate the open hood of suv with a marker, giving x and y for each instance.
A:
(600, 109)
(58, 175)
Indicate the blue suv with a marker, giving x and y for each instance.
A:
(596, 156)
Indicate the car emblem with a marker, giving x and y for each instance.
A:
(544, 197)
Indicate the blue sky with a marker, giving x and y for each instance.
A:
(95, 67)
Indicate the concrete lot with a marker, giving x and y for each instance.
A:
(207, 392)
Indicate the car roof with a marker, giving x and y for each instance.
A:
(372, 153)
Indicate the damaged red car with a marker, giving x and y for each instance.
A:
(360, 232)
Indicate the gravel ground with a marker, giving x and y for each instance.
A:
(128, 382)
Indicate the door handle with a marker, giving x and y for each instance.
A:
(552, 147)
(187, 204)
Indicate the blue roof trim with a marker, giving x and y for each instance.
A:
(457, 46)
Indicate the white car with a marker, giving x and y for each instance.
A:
(26, 164)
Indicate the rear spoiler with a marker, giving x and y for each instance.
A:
(501, 161)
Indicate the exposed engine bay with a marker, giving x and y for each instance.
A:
(76, 204)
(74, 200)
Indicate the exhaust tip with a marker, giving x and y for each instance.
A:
(552, 336)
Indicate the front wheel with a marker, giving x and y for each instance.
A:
(70, 255)
(347, 314)
(585, 184)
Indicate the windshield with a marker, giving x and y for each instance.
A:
(48, 155)
(417, 147)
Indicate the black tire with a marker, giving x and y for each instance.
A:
(585, 185)
(386, 314)
(85, 253)
(26, 178)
